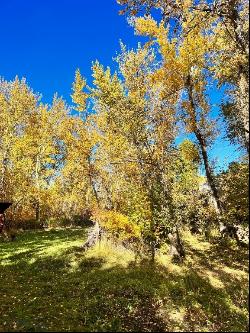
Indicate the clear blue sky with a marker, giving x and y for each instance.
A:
(46, 40)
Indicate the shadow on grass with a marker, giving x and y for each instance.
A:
(221, 254)
(71, 292)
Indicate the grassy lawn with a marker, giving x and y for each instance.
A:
(48, 284)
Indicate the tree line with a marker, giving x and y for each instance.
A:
(114, 152)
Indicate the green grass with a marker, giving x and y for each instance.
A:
(48, 284)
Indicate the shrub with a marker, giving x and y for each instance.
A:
(117, 224)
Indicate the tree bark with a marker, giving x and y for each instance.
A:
(209, 172)
(202, 143)
(93, 237)
(243, 102)
(3, 174)
(91, 180)
(38, 212)
(176, 246)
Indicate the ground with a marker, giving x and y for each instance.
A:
(48, 284)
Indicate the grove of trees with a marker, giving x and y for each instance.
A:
(114, 153)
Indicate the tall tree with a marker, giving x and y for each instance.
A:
(136, 128)
(182, 75)
(227, 23)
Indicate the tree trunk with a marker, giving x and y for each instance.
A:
(209, 172)
(37, 182)
(91, 180)
(176, 246)
(3, 175)
(152, 251)
(243, 104)
(203, 147)
(93, 237)
(224, 228)
(38, 212)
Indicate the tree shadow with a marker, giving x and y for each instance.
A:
(54, 294)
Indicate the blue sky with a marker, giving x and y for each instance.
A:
(46, 40)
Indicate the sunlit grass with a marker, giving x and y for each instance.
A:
(112, 255)
(49, 284)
